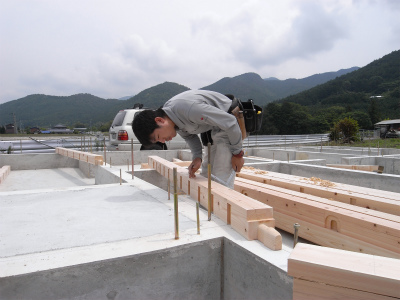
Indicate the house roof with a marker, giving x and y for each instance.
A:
(388, 122)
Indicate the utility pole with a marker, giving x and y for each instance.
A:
(15, 123)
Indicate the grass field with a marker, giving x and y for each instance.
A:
(372, 143)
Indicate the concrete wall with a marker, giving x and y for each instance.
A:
(292, 154)
(211, 269)
(37, 161)
(391, 164)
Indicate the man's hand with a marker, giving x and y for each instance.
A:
(194, 166)
(237, 163)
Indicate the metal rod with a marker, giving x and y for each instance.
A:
(296, 233)
(169, 188)
(209, 181)
(198, 217)
(132, 155)
(110, 162)
(90, 139)
(176, 204)
(127, 163)
(120, 177)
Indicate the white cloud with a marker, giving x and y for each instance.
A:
(118, 48)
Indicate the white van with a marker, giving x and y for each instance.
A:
(121, 133)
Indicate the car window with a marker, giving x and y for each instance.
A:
(119, 118)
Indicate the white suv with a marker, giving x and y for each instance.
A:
(121, 133)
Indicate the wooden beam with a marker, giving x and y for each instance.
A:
(244, 214)
(370, 198)
(4, 172)
(368, 168)
(90, 158)
(379, 236)
(326, 273)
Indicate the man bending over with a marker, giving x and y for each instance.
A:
(197, 112)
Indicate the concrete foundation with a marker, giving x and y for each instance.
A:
(70, 230)
(211, 269)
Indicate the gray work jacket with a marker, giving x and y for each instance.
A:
(198, 111)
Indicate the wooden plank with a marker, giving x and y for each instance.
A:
(373, 275)
(4, 172)
(370, 201)
(327, 237)
(308, 290)
(368, 168)
(352, 189)
(244, 214)
(366, 211)
(90, 158)
(371, 230)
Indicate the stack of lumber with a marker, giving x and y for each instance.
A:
(252, 219)
(4, 172)
(379, 200)
(326, 273)
(90, 158)
(337, 224)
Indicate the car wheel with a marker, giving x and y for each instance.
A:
(156, 146)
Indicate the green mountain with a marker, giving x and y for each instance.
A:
(323, 99)
(46, 111)
(367, 95)
(264, 91)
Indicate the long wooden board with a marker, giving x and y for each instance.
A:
(335, 192)
(377, 235)
(338, 186)
(369, 168)
(326, 273)
(246, 215)
(90, 158)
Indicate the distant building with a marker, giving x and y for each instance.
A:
(10, 129)
(60, 129)
(389, 128)
(34, 130)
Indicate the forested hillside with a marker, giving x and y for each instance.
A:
(367, 95)
(264, 91)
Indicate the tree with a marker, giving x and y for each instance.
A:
(346, 128)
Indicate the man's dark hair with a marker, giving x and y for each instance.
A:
(144, 124)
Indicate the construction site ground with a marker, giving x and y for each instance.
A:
(71, 230)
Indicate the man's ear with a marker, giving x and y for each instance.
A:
(159, 120)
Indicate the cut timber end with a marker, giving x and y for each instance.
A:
(270, 237)
(4, 172)
(243, 213)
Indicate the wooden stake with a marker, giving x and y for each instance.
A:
(175, 172)
(169, 189)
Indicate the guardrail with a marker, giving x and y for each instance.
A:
(92, 143)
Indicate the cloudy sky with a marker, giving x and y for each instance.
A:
(118, 48)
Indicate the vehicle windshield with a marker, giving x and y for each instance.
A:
(119, 118)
